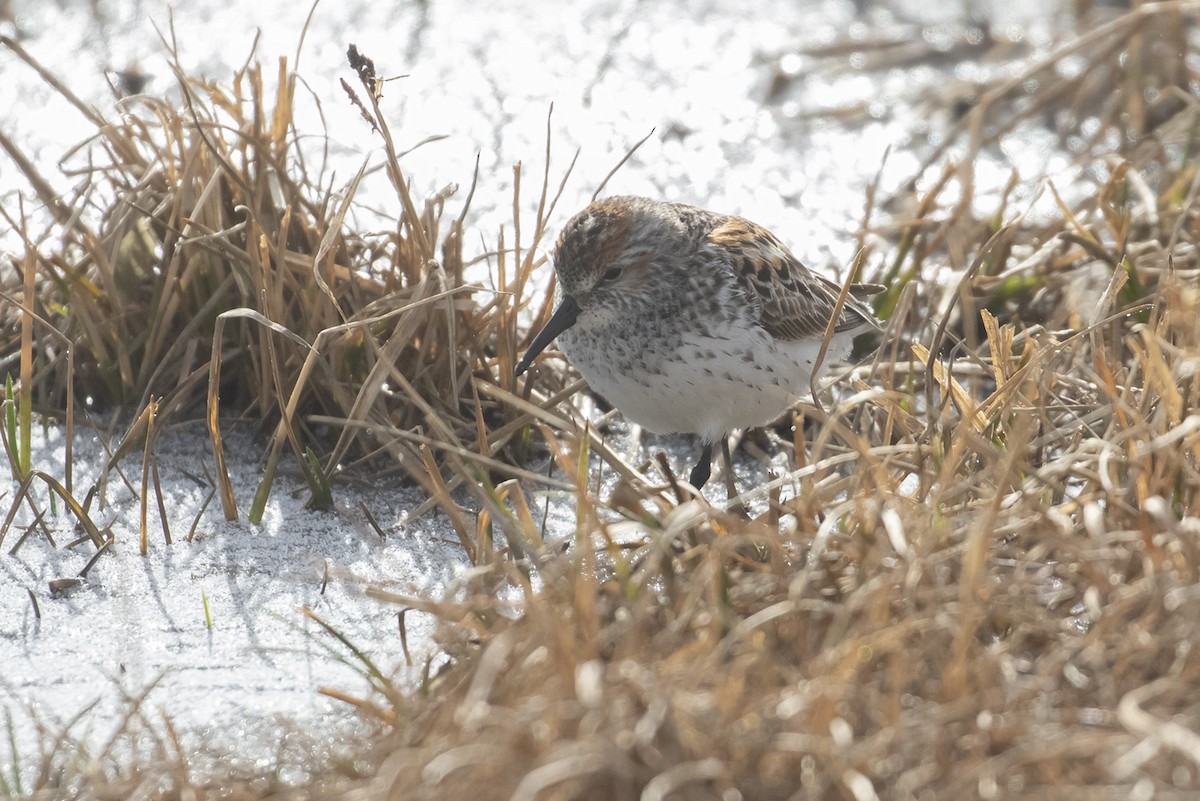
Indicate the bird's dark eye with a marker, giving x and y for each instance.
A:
(612, 274)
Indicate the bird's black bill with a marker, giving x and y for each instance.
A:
(563, 318)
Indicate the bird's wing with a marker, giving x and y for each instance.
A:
(795, 302)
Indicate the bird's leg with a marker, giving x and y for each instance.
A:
(730, 487)
(703, 468)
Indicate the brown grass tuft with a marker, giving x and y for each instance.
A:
(207, 250)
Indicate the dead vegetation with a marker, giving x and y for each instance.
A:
(980, 582)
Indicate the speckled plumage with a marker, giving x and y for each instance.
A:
(691, 321)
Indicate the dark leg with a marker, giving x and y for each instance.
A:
(730, 486)
(703, 468)
(728, 460)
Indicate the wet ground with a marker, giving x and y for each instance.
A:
(768, 109)
(779, 111)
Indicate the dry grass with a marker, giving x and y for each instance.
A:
(215, 268)
(984, 584)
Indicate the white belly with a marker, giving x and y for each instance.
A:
(706, 386)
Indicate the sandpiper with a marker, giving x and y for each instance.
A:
(691, 321)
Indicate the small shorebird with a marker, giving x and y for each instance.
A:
(691, 321)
